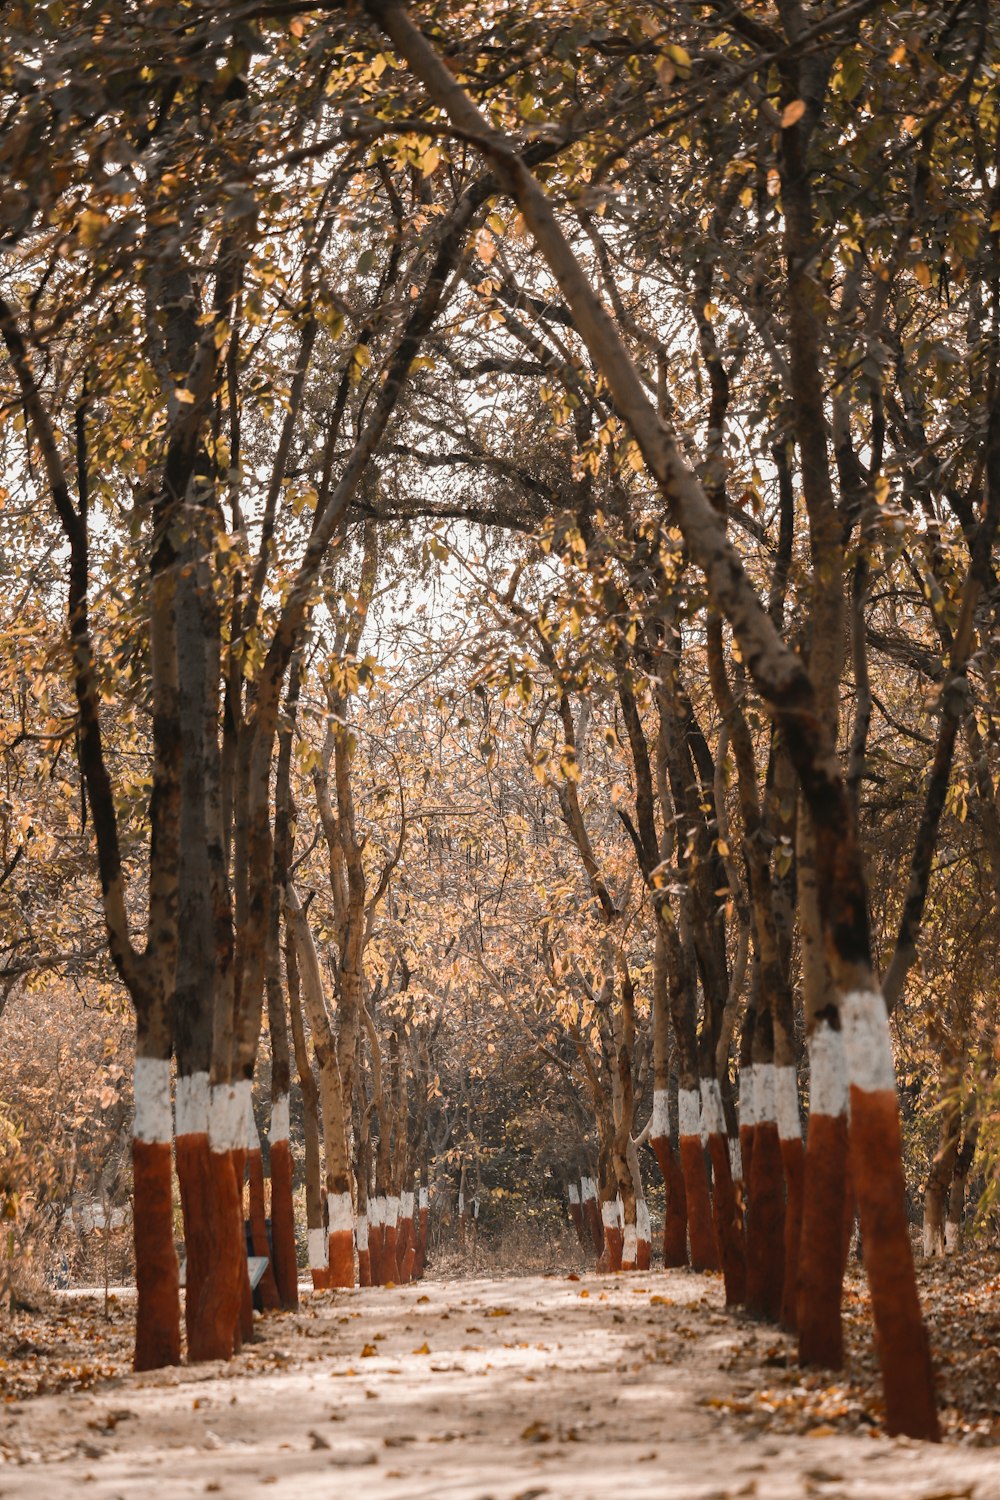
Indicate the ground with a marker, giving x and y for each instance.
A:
(492, 1389)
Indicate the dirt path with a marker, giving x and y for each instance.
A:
(472, 1390)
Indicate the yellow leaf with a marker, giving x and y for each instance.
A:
(184, 396)
(922, 272)
(92, 226)
(424, 1349)
(429, 160)
(360, 360)
(793, 113)
(679, 56)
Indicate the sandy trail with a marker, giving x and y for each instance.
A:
(470, 1390)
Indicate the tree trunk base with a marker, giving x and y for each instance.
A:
(157, 1275)
(766, 1225)
(286, 1269)
(728, 1227)
(704, 1251)
(821, 1262)
(341, 1256)
(793, 1161)
(900, 1335)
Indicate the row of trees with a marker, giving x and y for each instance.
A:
(686, 321)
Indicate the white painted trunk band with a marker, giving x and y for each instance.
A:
(609, 1215)
(574, 1193)
(391, 1212)
(763, 1093)
(688, 1112)
(748, 1104)
(630, 1243)
(406, 1206)
(951, 1236)
(339, 1212)
(588, 1189)
(279, 1120)
(461, 1204)
(786, 1104)
(929, 1238)
(153, 1117)
(193, 1100)
(362, 1232)
(735, 1159)
(659, 1129)
(317, 1249)
(827, 1072)
(227, 1115)
(867, 1044)
(712, 1118)
(475, 1208)
(376, 1212)
(425, 1198)
(643, 1224)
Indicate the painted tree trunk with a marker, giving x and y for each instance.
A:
(725, 1209)
(390, 1232)
(877, 1171)
(340, 1222)
(821, 1260)
(198, 1205)
(221, 1305)
(786, 1108)
(315, 1232)
(158, 1322)
(407, 1249)
(575, 1210)
(611, 1259)
(704, 1251)
(376, 1238)
(286, 1271)
(335, 1122)
(592, 1212)
(424, 1228)
(675, 1236)
(319, 1257)
(766, 1216)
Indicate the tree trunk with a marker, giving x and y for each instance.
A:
(158, 1325)
(316, 1235)
(339, 1201)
